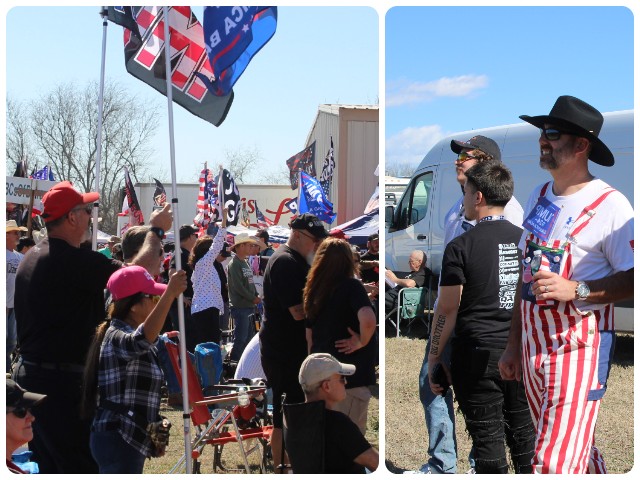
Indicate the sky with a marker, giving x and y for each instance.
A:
(317, 55)
(453, 69)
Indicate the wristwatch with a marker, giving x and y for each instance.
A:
(582, 291)
(158, 231)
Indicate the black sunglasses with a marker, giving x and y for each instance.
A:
(20, 412)
(552, 133)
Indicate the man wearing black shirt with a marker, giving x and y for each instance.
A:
(323, 378)
(369, 261)
(283, 344)
(59, 303)
(477, 291)
(416, 278)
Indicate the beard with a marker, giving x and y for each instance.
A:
(557, 157)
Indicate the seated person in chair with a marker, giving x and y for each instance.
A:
(322, 377)
(417, 277)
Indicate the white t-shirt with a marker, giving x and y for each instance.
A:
(454, 221)
(13, 260)
(605, 245)
(250, 365)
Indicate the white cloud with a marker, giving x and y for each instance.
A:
(402, 92)
(409, 146)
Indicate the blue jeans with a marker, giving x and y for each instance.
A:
(440, 418)
(113, 454)
(243, 330)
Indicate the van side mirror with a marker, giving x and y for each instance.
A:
(388, 214)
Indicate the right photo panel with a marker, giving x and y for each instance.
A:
(509, 240)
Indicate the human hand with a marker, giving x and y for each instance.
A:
(510, 363)
(349, 345)
(439, 386)
(162, 218)
(177, 283)
(551, 286)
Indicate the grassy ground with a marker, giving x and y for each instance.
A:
(406, 437)
(231, 456)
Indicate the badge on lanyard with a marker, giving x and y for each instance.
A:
(542, 219)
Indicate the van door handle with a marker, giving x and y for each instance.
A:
(422, 237)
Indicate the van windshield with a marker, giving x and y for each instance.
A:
(413, 205)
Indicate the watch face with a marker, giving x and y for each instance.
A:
(583, 290)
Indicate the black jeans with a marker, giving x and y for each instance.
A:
(494, 410)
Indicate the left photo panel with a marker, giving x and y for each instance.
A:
(192, 239)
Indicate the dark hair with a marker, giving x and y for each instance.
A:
(200, 249)
(24, 242)
(333, 262)
(264, 234)
(494, 180)
(120, 310)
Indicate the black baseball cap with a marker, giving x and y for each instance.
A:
(311, 224)
(18, 397)
(186, 231)
(479, 142)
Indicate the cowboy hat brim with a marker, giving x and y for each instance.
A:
(600, 153)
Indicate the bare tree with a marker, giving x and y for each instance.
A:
(242, 163)
(64, 123)
(20, 146)
(397, 169)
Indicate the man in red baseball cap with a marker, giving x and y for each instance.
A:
(59, 301)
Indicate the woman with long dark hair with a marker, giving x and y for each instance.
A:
(342, 322)
(122, 374)
(207, 302)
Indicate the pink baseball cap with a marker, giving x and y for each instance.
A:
(131, 280)
(62, 198)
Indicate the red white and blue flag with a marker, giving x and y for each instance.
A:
(233, 35)
(135, 213)
(263, 222)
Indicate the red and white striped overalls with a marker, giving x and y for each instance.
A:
(562, 352)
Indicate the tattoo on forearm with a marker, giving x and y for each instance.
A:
(437, 332)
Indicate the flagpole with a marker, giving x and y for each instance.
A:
(299, 189)
(220, 192)
(174, 207)
(94, 235)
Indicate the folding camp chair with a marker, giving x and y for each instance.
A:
(220, 419)
(303, 431)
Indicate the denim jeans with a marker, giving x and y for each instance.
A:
(440, 419)
(113, 454)
(494, 410)
(243, 330)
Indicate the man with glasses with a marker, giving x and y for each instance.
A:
(323, 378)
(59, 302)
(438, 410)
(417, 277)
(562, 337)
(283, 344)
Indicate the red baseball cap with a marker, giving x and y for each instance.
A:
(62, 198)
(131, 280)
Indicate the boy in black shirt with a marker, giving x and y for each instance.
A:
(477, 291)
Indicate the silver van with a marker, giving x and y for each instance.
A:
(417, 221)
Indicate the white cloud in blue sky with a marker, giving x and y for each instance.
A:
(407, 93)
(411, 144)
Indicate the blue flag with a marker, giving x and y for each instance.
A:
(233, 35)
(43, 174)
(313, 199)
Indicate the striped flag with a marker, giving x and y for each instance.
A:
(203, 205)
(263, 222)
(135, 213)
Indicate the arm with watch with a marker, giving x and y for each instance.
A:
(549, 285)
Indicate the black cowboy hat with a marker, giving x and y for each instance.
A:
(572, 115)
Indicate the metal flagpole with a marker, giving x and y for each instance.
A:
(176, 235)
(94, 235)
(221, 192)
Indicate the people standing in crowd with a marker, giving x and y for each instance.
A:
(438, 410)
(25, 244)
(283, 344)
(13, 260)
(19, 419)
(207, 300)
(341, 321)
(58, 304)
(346, 450)
(107, 251)
(219, 265)
(578, 260)
(477, 290)
(123, 373)
(188, 235)
(243, 296)
(263, 234)
(418, 275)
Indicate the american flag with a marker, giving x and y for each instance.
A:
(327, 171)
(203, 205)
(135, 213)
(263, 222)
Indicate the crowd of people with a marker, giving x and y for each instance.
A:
(90, 342)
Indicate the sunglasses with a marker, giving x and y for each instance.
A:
(552, 133)
(463, 157)
(20, 412)
(88, 209)
(154, 298)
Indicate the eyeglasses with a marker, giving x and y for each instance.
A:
(463, 157)
(551, 133)
(87, 208)
(154, 298)
(20, 412)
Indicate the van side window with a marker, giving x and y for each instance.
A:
(414, 204)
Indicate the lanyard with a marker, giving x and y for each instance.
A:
(491, 218)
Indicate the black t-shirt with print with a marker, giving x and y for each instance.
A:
(486, 262)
